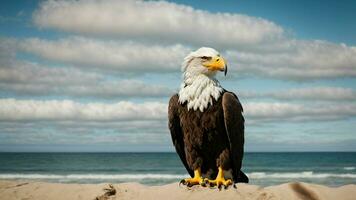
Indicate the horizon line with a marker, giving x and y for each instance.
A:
(170, 152)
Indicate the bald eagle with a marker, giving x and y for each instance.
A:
(206, 123)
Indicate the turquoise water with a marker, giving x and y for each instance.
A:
(265, 169)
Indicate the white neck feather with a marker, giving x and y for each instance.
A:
(198, 91)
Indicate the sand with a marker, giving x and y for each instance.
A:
(24, 190)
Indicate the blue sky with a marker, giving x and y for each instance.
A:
(317, 19)
(97, 76)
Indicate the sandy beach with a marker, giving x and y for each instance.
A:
(11, 190)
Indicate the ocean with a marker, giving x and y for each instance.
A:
(328, 168)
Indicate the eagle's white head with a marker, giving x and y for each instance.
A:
(199, 83)
(205, 61)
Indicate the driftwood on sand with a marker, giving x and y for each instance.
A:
(110, 191)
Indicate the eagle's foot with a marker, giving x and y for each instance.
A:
(196, 180)
(220, 181)
(189, 182)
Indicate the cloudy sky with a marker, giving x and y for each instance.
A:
(97, 75)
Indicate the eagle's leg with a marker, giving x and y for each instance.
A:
(219, 180)
(196, 180)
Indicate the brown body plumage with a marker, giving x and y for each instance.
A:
(210, 139)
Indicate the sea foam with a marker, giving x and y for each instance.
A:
(305, 174)
(92, 176)
(252, 175)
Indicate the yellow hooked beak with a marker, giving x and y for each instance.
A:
(217, 63)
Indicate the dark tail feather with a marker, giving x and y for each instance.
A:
(242, 178)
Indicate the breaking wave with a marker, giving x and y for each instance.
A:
(124, 177)
(92, 176)
(349, 168)
(306, 174)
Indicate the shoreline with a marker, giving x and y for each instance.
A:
(11, 190)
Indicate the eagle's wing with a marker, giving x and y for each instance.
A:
(234, 124)
(176, 131)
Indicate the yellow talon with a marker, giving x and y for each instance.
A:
(220, 180)
(196, 180)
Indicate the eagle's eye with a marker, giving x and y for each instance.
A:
(206, 57)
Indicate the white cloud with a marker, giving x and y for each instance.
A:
(276, 112)
(86, 132)
(67, 110)
(99, 89)
(28, 73)
(123, 88)
(7, 50)
(69, 122)
(156, 20)
(305, 94)
(29, 78)
(116, 56)
(316, 93)
(297, 60)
